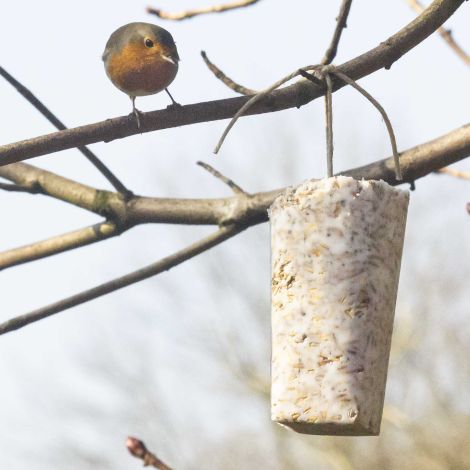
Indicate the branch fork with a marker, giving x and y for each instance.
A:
(243, 209)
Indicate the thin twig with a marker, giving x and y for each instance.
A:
(417, 162)
(226, 80)
(312, 78)
(138, 449)
(55, 121)
(341, 20)
(183, 15)
(58, 244)
(384, 55)
(329, 124)
(446, 34)
(381, 110)
(456, 173)
(254, 99)
(18, 188)
(164, 264)
(230, 183)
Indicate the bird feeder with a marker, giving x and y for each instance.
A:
(336, 253)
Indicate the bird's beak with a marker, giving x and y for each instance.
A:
(168, 59)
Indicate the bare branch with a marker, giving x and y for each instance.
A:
(183, 15)
(226, 80)
(164, 264)
(311, 76)
(329, 56)
(250, 210)
(58, 244)
(416, 162)
(230, 183)
(295, 95)
(446, 34)
(18, 188)
(138, 449)
(243, 209)
(33, 179)
(330, 53)
(55, 121)
(456, 173)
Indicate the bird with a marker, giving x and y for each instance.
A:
(141, 59)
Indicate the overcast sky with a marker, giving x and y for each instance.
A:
(54, 48)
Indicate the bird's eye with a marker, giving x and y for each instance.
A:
(149, 43)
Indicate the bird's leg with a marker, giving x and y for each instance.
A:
(135, 111)
(174, 104)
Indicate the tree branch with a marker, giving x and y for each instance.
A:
(38, 181)
(446, 34)
(250, 104)
(330, 53)
(58, 244)
(138, 449)
(217, 174)
(183, 15)
(55, 121)
(295, 95)
(18, 188)
(465, 175)
(246, 210)
(226, 80)
(416, 162)
(165, 264)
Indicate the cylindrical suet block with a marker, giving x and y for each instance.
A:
(336, 252)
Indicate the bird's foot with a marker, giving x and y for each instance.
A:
(137, 115)
(174, 105)
(127, 195)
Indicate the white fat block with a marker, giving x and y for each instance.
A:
(336, 252)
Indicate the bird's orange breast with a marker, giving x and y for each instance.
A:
(138, 71)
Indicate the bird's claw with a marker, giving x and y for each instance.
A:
(174, 105)
(137, 115)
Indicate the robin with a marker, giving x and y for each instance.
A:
(141, 59)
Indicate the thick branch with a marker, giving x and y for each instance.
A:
(251, 209)
(36, 180)
(58, 244)
(165, 264)
(245, 209)
(184, 15)
(295, 95)
(416, 163)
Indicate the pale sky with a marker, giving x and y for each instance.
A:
(70, 364)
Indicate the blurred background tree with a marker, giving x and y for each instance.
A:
(182, 360)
